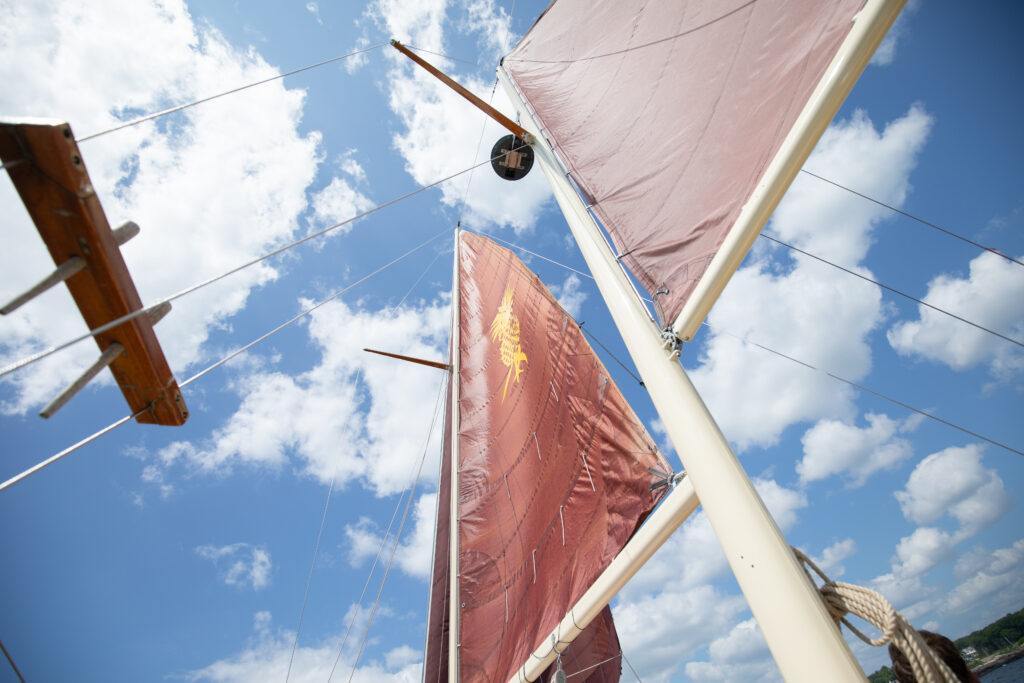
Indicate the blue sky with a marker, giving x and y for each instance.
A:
(182, 554)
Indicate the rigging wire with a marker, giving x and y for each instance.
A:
(594, 666)
(398, 534)
(387, 534)
(867, 390)
(893, 290)
(540, 256)
(369, 577)
(312, 565)
(440, 54)
(74, 447)
(606, 350)
(373, 568)
(629, 665)
(836, 377)
(10, 660)
(165, 112)
(913, 217)
(394, 514)
(35, 357)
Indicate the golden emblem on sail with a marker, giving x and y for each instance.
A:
(505, 331)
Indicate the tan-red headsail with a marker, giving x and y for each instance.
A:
(667, 114)
(553, 469)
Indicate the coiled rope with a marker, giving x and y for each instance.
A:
(845, 598)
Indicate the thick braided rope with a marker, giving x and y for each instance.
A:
(844, 598)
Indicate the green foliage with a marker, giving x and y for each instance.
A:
(998, 635)
(883, 675)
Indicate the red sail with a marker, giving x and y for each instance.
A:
(667, 113)
(553, 464)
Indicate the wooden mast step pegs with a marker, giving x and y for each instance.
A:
(47, 170)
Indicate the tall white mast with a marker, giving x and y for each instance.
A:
(802, 637)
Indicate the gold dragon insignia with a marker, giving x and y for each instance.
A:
(505, 331)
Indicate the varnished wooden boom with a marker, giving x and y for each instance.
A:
(55, 188)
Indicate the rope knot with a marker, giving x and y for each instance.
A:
(845, 598)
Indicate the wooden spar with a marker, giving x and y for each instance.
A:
(419, 361)
(56, 189)
(801, 636)
(503, 120)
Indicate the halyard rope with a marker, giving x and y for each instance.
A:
(165, 112)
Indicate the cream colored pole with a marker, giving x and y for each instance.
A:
(806, 644)
(870, 27)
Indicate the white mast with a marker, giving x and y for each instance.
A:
(802, 637)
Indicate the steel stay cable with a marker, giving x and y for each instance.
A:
(165, 112)
(870, 391)
(836, 377)
(323, 520)
(440, 54)
(380, 551)
(398, 534)
(312, 566)
(369, 577)
(891, 289)
(33, 358)
(10, 660)
(594, 666)
(629, 665)
(74, 447)
(913, 217)
(309, 310)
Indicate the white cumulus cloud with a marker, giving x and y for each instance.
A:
(954, 482)
(433, 139)
(991, 295)
(569, 295)
(413, 555)
(210, 188)
(349, 410)
(753, 395)
(240, 564)
(268, 656)
(741, 655)
(832, 447)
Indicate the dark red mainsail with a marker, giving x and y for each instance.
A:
(552, 478)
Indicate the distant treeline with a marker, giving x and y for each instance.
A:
(997, 635)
